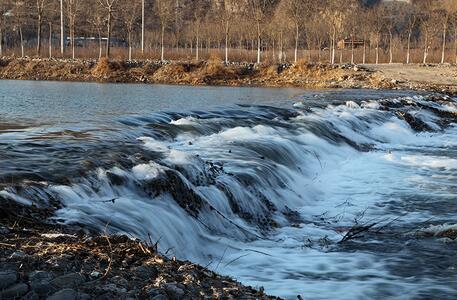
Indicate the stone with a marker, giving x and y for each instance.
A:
(31, 296)
(65, 294)
(17, 290)
(152, 292)
(40, 282)
(7, 278)
(174, 291)
(68, 281)
(84, 296)
(146, 272)
(160, 297)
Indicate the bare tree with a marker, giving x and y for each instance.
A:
(109, 6)
(336, 13)
(5, 7)
(164, 9)
(227, 13)
(62, 38)
(298, 11)
(40, 6)
(73, 7)
(258, 10)
(129, 17)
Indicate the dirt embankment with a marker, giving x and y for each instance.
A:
(212, 72)
(440, 78)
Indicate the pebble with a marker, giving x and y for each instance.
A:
(40, 282)
(146, 272)
(69, 280)
(153, 292)
(15, 291)
(65, 294)
(7, 278)
(174, 291)
(159, 297)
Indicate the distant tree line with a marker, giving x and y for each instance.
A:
(335, 31)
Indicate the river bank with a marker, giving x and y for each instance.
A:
(44, 261)
(214, 72)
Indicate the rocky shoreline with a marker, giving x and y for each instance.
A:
(39, 260)
(215, 72)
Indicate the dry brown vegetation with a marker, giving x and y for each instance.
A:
(214, 72)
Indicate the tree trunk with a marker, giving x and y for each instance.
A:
(408, 50)
(333, 46)
(425, 48)
(227, 28)
(22, 42)
(443, 51)
(377, 49)
(352, 51)
(72, 37)
(259, 43)
(197, 53)
(162, 52)
(1, 42)
(50, 40)
(297, 36)
(61, 29)
(108, 39)
(391, 55)
(142, 27)
(100, 46)
(455, 42)
(39, 29)
(364, 58)
(130, 44)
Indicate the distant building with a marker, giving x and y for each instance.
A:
(349, 43)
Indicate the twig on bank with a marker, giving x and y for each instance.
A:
(222, 257)
(110, 258)
(234, 260)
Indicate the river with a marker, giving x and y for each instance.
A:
(325, 194)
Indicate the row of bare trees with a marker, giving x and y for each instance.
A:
(323, 30)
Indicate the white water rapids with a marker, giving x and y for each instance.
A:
(267, 194)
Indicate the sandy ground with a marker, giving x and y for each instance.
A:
(444, 75)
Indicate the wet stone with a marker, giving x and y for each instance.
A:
(159, 297)
(174, 291)
(153, 292)
(40, 282)
(14, 291)
(146, 272)
(65, 294)
(7, 278)
(69, 280)
(31, 296)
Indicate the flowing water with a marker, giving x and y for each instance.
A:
(326, 194)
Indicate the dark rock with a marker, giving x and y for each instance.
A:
(40, 282)
(115, 179)
(65, 294)
(7, 278)
(174, 291)
(69, 280)
(154, 292)
(146, 272)
(83, 296)
(31, 296)
(15, 291)
(160, 297)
